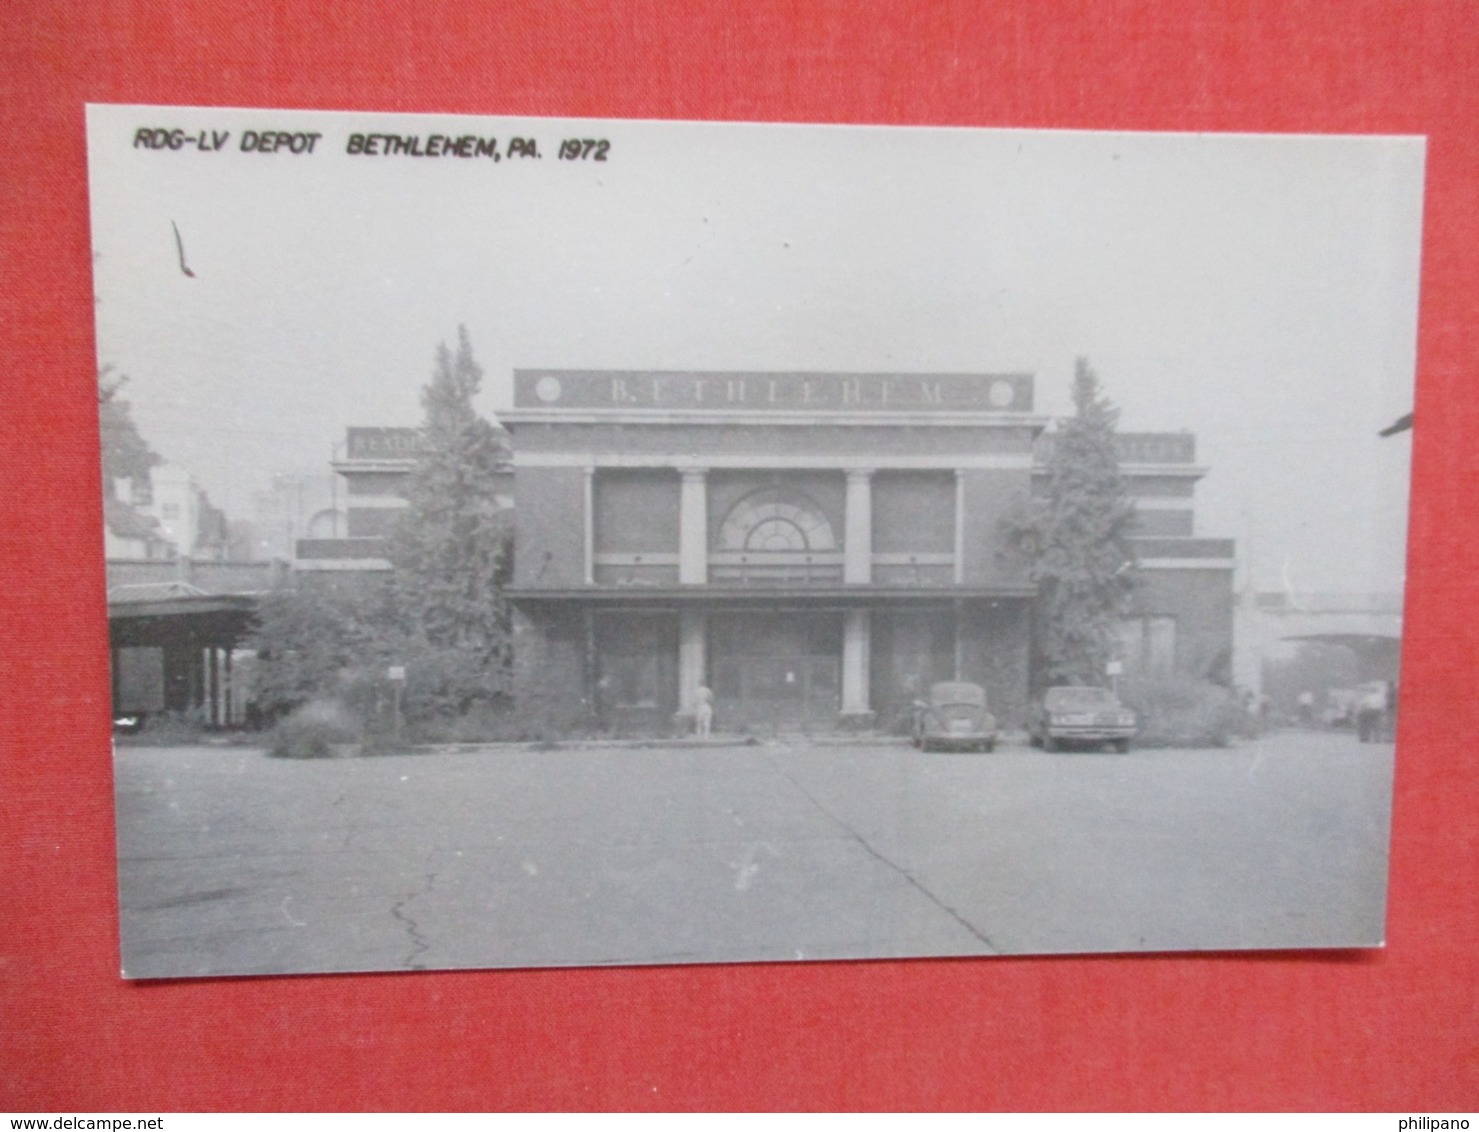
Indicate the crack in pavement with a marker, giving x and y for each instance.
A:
(909, 877)
(419, 943)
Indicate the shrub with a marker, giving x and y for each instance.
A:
(1179, 711)
(311, 642)
(320, 729)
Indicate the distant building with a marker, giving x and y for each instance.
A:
(169, 516)
(376, 469)
(181, 596)
(1269, 624)
(1181, 619)
(296, 505)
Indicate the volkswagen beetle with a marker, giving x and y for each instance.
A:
(954, 717)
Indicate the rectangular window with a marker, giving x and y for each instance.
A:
(913, 511)
(636, 511)
(1148, 645)
(637, 663)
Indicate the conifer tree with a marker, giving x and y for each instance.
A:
(452, 550)
(1083, 565)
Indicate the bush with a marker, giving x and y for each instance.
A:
(320, 729)
(312, 642)
(482, 723)
(1179, 711)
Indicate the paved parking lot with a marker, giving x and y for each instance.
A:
(233, 863)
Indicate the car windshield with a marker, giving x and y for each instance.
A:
(969, 695)
(1079, 699)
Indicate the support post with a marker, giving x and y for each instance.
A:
(115, 658)
(693, 528)
(857, 549)
(590, 525)
(692, 661)
(212, 687)
(959, 640)
(230, 686)
(959, 526)
(856, 644)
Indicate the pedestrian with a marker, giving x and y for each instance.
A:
(703, 712)
(1249, 704)
(1370, 709)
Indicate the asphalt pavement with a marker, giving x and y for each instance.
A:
(231, 862)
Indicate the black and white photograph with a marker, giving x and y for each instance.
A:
(550, 542)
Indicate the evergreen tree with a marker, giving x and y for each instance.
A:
(452, 550)
(1083, 565)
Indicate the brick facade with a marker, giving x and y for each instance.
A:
(810, 550)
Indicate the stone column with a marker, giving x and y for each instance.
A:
(857, 551)
(693, 528)
(692, 647)
(590, 525)
(856, 645)
(959, 640)
(230, 685)
(959, 526)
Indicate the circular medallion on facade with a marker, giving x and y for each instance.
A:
(1001, 394)
(547, 389)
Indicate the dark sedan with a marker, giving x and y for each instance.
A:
(1082, 715)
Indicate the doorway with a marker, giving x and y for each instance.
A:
(776, 671)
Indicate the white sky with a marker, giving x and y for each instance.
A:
(1258, 291)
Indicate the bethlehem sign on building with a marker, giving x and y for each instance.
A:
(811, 548)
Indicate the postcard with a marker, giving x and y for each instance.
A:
(541, 542)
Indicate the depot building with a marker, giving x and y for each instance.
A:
(814, 548)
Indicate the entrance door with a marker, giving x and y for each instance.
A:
(775, 672)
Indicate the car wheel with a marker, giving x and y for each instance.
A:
(988, 746)
(1049, 744)
(1122, 746)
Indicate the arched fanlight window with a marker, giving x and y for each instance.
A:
(774, 519)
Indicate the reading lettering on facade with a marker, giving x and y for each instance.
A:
(992, 393)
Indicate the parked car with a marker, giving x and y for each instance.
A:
(954, 716)
(1081, 715)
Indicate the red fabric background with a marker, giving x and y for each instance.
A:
(1393, 1030)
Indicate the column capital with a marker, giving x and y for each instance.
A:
(692, 472)
(860, 474)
